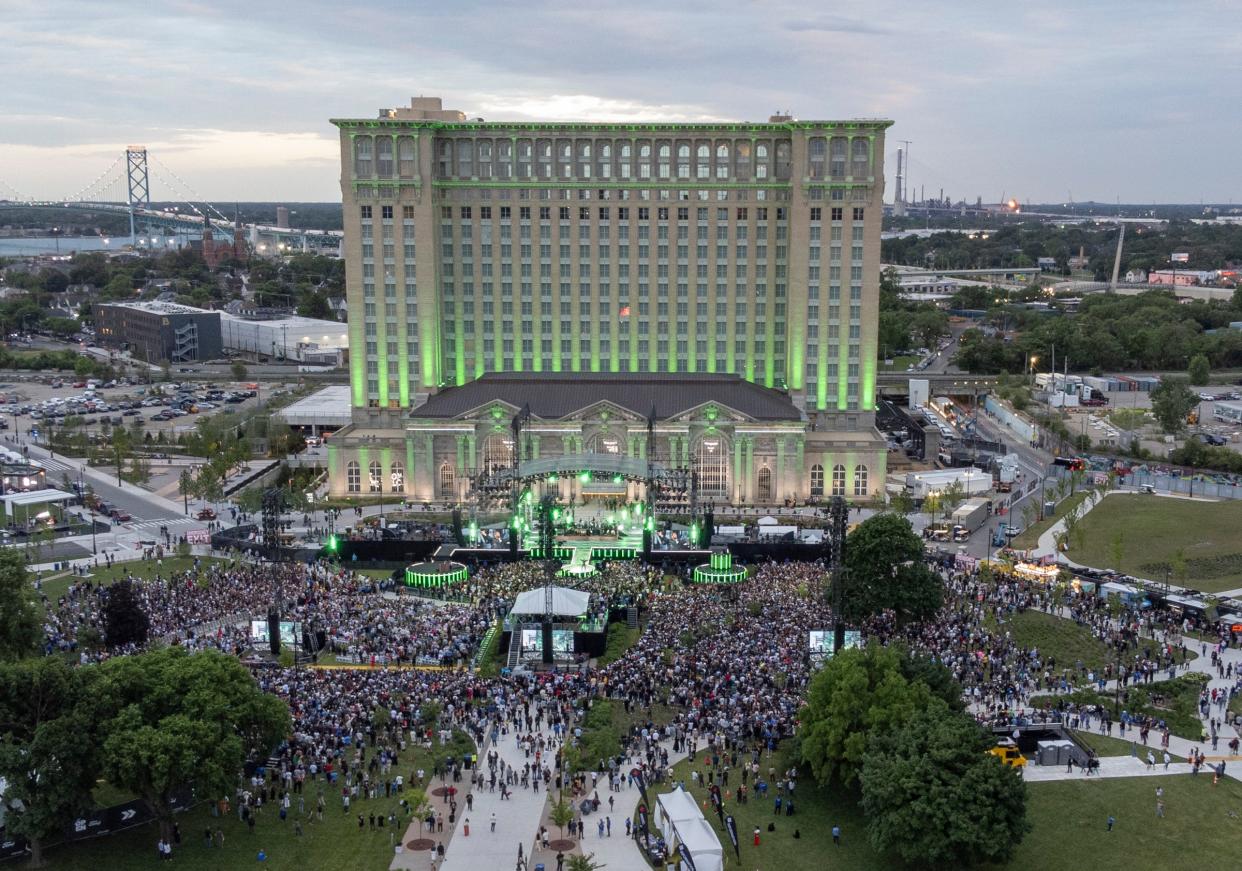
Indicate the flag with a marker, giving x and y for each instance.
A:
(686, 859)
(731, 825)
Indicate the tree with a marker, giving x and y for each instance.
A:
(48, 758)
(901, 502)
(859, 694)
(176, 719)
(561, 814)
(884, 570)
(932, 794)
(1171, 401)
(239, 371)
(125, 622)
(1200, 371)
(19, 610)
(579, 862)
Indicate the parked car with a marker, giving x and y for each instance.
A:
(206, 514)
(120, 515)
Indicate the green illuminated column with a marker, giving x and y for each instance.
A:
(410, 467)
(335, 484)
(843, 364)
(780, 468)
(801, 469)
(461, 454)
(459, 354)
(769, 354)
(642, 448)
(737, 470)
(429, 452)
(386, 468)
(364, 464)
(821, 379)
(748, 484)
(472, 453)
(535, 444)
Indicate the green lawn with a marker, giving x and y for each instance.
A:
(1029, 537)
(1153, 528)
(1063, 639)
(900, 364)
(620, 639)
(1174, 701)
(1068, 821)
(1106, 746)
(56, 587)
(334, 843)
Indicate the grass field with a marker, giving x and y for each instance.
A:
(1063, 639)
(620, 639)
(1106, 746)
(1152, 530)
(1173, 701)
(335, 843)
(1068, 821)
(1029, 537)
(145, 569)
(899, 364)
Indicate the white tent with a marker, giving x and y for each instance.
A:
(673, 807)
(565, 602)
(702, 842)
(681, 821)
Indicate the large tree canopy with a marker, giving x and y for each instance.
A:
(884, 570)
(858, 693)
(184, 720)
(48, 753)
(19, 612)
(934, 795)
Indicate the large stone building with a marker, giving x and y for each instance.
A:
(728, 270)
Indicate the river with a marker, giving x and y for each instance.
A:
(23, 246)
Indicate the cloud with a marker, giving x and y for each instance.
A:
(834, 24)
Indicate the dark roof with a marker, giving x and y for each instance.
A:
(554, 395)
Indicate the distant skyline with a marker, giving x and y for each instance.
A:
(1096, 100)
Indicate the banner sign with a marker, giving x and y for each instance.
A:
(686, 860)
(731, 826)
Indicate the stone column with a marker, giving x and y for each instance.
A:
(738, 493)
(749, 484)
(781, 487)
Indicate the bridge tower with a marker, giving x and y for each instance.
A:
(138, 187)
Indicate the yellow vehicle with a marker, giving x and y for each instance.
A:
(1007, 752)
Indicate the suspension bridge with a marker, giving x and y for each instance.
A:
(125, 188)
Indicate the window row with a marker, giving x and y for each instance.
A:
(839, 480)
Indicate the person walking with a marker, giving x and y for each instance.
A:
(493, 821)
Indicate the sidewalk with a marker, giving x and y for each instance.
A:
(1110, 766)
(517, 819)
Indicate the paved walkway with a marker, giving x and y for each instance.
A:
(517, 819)
(1110, 766)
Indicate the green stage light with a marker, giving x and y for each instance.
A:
(616, 479)
(694, 533)
(556, 514)
(585, 477)
(552, 479)
(332, 543)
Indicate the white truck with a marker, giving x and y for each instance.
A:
(973, 482)
(969, 516)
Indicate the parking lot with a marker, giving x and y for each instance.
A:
(29, 406)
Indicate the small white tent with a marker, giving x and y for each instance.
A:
(681, 822)
(565, 602)
(702, 842)
(673, 807)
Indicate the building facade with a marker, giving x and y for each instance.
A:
(558, 249)
(159, 332)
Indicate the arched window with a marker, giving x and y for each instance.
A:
(397, 477)
(765, 484)
(862, 158)
(836, 156)
(761, 160)
(860, 480)
(711, 461)
(405, 156)
(375, 476)
(722, 160)
(383, 156)
(353, 477)
(465, 158)
(504, 158)
(817, 480)
(742, 153)
(838, 480)
(363, 155)
(604, 443)
(783, 152)
(484, 155)
(448, 480)
(497, 452)
(816, 154)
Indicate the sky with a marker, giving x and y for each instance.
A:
(1084, 99)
